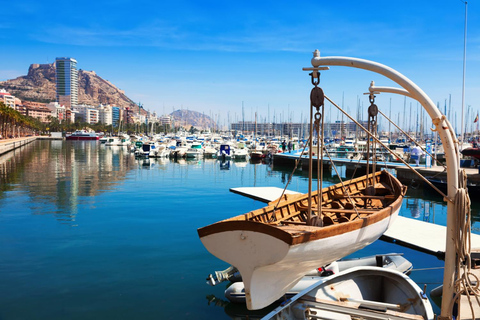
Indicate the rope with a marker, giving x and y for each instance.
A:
(466, 283)
(273, 217)
(413, 140)
(341, 181)
(392, 152)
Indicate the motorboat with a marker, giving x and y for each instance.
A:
(82, 135)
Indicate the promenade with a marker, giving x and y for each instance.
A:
(7, 145)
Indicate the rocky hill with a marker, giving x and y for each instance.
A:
(188, 118)
(39, 85)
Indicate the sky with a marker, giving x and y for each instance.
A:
(234, 59)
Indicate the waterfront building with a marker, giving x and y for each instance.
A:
(140, 118)
(57, 110)
(128, 116)
(105, 114)
(115, 116)
(66, 77)
(335, 129)
(41, 113)
(250, 126)
(166, 120)
(71, 115)
(33, 104)
(88, 114)
(152, 118)
(7, 98)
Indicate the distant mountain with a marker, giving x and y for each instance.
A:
(188, 118)
(39, 85)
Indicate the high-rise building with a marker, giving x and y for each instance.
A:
(115, 116)
(66, 76)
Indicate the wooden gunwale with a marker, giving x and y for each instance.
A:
(297, 233)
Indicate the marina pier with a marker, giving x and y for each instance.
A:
(359, 167)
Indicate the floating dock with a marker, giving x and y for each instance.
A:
(419, 235)
(437, 172)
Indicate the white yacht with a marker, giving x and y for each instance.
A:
(195, 151)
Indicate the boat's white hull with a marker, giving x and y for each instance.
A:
(240, 156)
(193, 155)
(270, 267)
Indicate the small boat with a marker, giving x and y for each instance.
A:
(137, 148)
(472, 186)
(149, 149)
(236, 291)
(180, 149)
(225, 152)
(195, 151)
(209, 152)
(471, 152)
(358, 293)
(257, 154)
(118, 141)
(275, 246)
(240, 152)
(82, 135)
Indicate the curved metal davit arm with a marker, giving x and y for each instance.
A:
(452, 156)
(375, 89)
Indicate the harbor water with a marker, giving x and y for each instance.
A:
(89, 232)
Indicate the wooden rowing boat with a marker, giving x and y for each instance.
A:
(273, 247)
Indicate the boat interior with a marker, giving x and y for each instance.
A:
(343, 202)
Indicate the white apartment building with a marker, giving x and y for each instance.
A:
(88, 114)
(7, 98)
(105, 114)
(165, 120)
(58, 110)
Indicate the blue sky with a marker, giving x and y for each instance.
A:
(214, 56)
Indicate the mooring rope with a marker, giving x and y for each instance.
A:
(466, 283)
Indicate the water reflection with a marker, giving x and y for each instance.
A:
(224, 164)
(61, 174)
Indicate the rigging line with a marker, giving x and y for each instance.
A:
(343, 185)
(393, 152)
(310, 166)
(320, 181)
(272, 218)
(413, 140)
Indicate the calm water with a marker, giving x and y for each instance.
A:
(89, 232)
